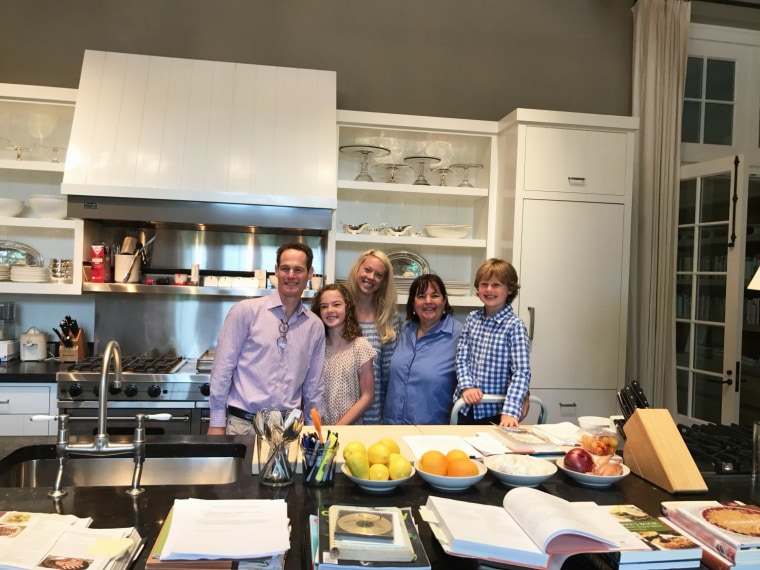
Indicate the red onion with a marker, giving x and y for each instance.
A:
(580, 460)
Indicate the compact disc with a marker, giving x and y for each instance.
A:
(366, 524)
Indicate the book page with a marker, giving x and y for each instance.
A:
(232, 529)
(557, 525)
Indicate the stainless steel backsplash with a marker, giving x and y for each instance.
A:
(185, 324)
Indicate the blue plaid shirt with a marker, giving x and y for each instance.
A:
(493, 354)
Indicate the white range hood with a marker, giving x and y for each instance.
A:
(159, 128)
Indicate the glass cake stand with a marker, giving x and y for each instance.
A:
(365, 152)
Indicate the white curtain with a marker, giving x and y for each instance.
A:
(661, 29)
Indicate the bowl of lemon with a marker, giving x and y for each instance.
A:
(379, 468)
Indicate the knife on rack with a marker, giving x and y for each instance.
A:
(640, 397)
(623, 403)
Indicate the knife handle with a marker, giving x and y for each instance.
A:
(641, 398)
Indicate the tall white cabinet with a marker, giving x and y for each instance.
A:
(564, 205)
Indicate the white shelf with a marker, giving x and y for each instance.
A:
(419, 241)
(461, 192)
(40, 165)
(52, 238)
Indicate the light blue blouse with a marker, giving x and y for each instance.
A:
(423, 375)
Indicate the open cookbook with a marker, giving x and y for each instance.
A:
(532, 528)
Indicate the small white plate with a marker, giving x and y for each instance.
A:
(375, 486)
(443, 483)
(589, 480)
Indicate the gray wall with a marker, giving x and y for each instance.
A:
(475, 59)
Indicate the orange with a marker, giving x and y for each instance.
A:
(462, 468)
(455, 454)
(434, 462)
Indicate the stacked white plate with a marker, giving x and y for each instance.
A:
(458, 288)
(5, 272)
(24, 274)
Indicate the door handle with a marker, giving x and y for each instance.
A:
(532, 316)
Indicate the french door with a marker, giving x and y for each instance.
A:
(709, 290)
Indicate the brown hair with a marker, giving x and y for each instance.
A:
(385, 298)
(502, 271)
(420, 285)
(351, 329)
(299, 247)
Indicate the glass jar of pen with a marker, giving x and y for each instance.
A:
(318, 455)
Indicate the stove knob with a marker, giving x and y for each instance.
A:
(154, 391)
(206, 389)
(113, 390)
(75, 390)
(130, 390)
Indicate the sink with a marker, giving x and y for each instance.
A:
(165, 464)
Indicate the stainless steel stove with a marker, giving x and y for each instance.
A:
(719, 449)
(151, 385)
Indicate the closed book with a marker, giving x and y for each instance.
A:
(531, 528)
(711, 559)
(731, 529)
(606, 561)
(665, 543)
(323, 557)
(379, 520)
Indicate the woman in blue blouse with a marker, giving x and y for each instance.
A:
(423, 368)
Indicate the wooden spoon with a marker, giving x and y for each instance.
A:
(317, 419)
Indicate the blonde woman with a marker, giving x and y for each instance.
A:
(370, 282)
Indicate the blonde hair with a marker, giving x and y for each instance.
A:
(384, 300)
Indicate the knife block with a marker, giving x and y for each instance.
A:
(74, 353)
(655, 451)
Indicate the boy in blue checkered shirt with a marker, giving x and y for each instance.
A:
(493, 353)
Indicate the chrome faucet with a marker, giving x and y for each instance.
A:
(101, 445)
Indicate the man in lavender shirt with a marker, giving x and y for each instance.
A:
(270, 351)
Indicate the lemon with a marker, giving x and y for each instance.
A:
(378, 453)
(353, 446)
(390, 444)
(358, 465)
(399, 467)
(378, 472)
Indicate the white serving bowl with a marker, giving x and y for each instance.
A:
(48, 205)
(590, 480)
(376, 486)
(512, 469)
(11, 207)
(447, 230)
(591, 422)
(443, 483)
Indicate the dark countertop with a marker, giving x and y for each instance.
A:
(112, 507)
(30, 371)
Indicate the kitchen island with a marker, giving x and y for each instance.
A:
(112, 507)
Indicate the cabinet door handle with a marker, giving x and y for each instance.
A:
(532, 314)
(572, 179)
(8, 401)
(573, 405)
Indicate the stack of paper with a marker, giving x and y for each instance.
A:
(234, 529)
(40, 540)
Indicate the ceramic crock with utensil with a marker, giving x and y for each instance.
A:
(33, 345)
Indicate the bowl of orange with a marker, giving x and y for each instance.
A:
(453, 471)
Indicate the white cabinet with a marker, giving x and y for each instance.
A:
(19, 402)
(37, 120)
(401, 203)
(564, 199)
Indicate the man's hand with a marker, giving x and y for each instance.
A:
(472, 396)
(217, 431)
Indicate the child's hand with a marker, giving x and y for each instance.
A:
(508, 421)
(472, 396)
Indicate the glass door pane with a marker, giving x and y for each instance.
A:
(750, 387)
(708, 292)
